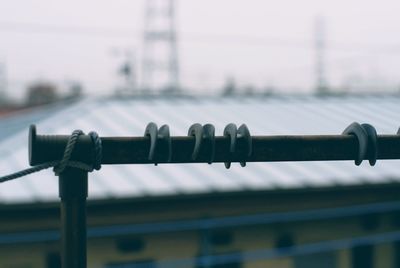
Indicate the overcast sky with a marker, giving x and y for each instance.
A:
(259, 42)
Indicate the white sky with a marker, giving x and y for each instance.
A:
(258, 42)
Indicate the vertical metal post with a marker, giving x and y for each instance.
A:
(73, 191)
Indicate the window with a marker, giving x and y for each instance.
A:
(53, 260)
(362, 256)
(133, 264)
(130, 245)
(221, 238)
(284, 241)
(370, 222)
(324, 259)
(236, 264)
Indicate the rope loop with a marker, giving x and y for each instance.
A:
(60, 166)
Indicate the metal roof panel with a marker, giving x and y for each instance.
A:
(263, 116)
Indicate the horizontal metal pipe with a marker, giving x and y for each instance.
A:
(135, 150)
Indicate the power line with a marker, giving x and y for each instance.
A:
(232, 39)
(37, 28)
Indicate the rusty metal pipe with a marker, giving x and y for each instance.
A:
(73, 191)
(135, 150)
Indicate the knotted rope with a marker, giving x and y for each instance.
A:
(59, 166)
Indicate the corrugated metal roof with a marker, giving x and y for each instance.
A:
(16, 121)
(263, 116)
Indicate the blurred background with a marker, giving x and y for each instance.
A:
(281, 67)
(201, 48)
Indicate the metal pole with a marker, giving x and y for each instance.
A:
(73, 191)
(135, 150)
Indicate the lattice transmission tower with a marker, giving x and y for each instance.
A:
(160, 65)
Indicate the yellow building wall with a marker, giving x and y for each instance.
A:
(187, 244)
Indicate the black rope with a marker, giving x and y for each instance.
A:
(59, 166)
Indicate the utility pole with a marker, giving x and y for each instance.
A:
(126, 70)
(160, 65)
(320, 51)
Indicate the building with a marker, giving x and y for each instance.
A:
(308, 214)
